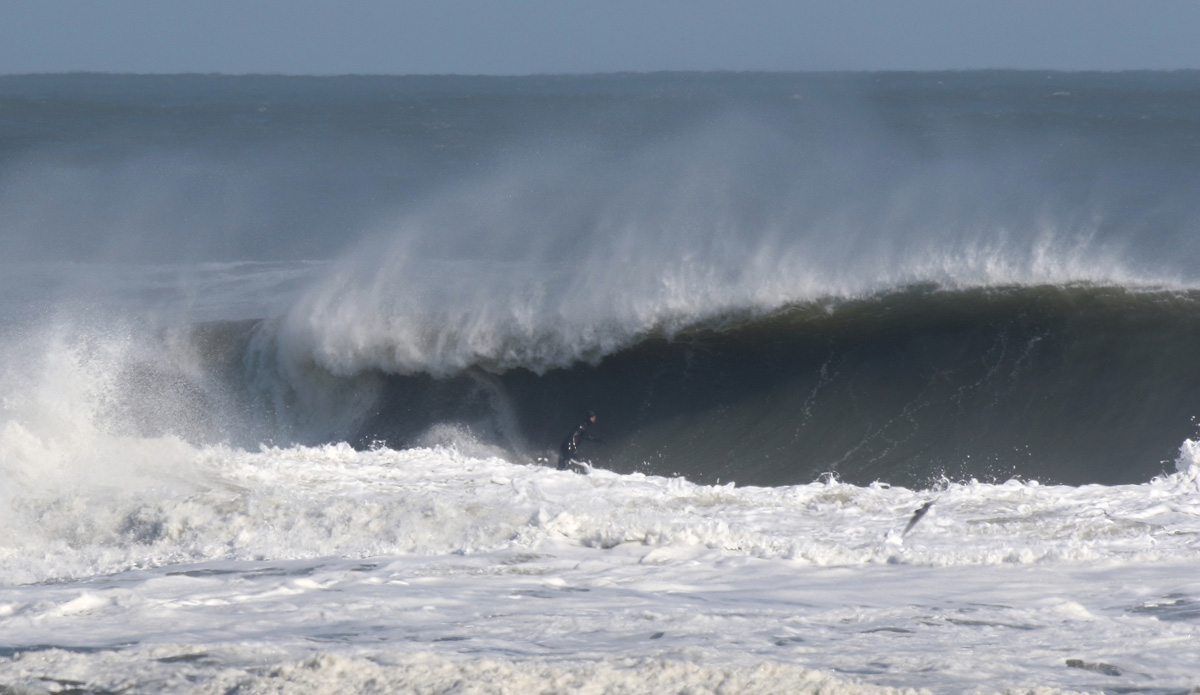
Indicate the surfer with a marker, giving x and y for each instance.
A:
(570, 446)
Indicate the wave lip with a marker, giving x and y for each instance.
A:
(405, 315)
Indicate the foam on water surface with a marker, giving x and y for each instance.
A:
(335, 566)
(335, 501)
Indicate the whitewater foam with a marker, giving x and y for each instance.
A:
(323, 561)
(334, 501)
(220, 668)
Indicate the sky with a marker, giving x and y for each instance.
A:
(516, 37)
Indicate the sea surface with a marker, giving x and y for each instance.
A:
(896, 378)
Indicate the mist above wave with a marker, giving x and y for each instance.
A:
(565, 255)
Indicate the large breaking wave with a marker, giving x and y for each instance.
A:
(1075, 384)
(760, 278)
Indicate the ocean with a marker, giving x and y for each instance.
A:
(895, 379)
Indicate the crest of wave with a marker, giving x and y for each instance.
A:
(554, 259)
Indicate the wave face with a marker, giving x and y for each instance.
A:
(1073, 385)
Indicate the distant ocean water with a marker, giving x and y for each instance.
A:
(286, 363)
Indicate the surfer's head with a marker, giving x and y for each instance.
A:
(591, 416)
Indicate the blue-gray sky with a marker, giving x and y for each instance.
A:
(577, 36)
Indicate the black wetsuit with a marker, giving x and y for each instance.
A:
(570, 446)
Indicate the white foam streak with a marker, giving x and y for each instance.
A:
(334, 673)
(334, 567)
(332, 500)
